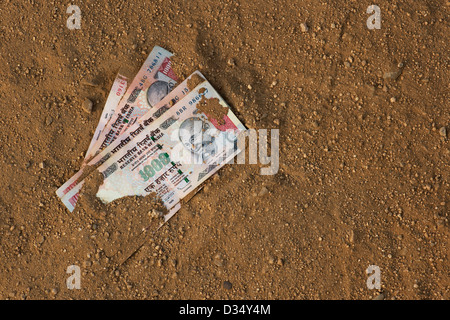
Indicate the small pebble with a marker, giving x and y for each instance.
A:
(41, 165)
(379, 297)
(87, 263)
(48, 121)
(351, 237)
(443, 132)
(218, 260)
(87, 105)
(393, 99)
(227, 285)
(231, 62)
(392, 75)
(304, 27)
(263, 192)
(156, 214)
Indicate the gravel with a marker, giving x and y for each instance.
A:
(87, 105)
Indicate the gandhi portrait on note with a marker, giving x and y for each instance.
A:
(198, 136)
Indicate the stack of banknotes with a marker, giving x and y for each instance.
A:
(153, 138)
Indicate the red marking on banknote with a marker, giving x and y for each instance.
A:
(70, 187)
(228, 125)
(166, 68)
(74, 199)
(122, 86)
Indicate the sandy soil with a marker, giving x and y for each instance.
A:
(364, 158)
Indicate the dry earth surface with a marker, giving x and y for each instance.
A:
(364, 150)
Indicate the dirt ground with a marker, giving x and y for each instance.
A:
(364, 124)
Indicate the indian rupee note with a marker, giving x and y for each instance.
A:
(117, 91)
(152, 83)
(157, 65)
(175, 155)
(147, 120)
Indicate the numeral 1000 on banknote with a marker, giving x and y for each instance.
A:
(155, 166)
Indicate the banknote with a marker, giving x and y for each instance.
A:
(159, 110)
(173, 156)
(156, 66)
(117, 91)
(152, 83)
